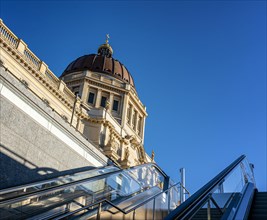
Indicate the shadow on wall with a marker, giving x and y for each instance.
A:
(14, 170)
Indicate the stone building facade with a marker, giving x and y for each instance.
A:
(89, 116)
(116, 116)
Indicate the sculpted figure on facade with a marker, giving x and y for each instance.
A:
(152, 155)
(111, 142)
(126, 154)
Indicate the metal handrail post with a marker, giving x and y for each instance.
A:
(154, 204)
(216, 204)
(116, 207)
(182, 193)
(187, 208)
(134, 215)
(99, 211)
(208, 210)
(169, 201)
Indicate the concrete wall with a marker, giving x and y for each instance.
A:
(35, 142)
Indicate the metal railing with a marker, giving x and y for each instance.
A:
(119, 185)
(207, 198)
(42, 191)
(126, 211)
(28, 189)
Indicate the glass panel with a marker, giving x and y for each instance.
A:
(148, 176)
(30, 188)
(69, 195)
(225, 196)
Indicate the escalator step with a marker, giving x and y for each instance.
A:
(259, 207)
(258, 217)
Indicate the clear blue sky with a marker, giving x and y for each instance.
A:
(198, 66)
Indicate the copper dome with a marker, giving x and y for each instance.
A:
(102, 64)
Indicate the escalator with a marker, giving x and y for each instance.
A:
(24, 201)
(258, 209)
(107, 191)
(141, 192)
(231, 195)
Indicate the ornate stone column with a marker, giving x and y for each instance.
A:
(111, 98)
(98, 98)
(131, 115)
(136, 121)
(124, 109)
(84, 91)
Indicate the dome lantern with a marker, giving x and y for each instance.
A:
(105, 49)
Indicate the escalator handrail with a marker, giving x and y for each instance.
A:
(203, 193)
(152, 198)
(152, 164)
(243, 208)
(65, 185)
(88, 206)
(55, 188)
(21, 187)
(124, 211)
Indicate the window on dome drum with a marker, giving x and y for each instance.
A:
(91, 98)
(115, 105)
(103, 101)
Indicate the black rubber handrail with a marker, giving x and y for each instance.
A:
(190, 205)
(21, 187)
(59, 178)
(125, 210)
(42, 192)
(70, 184)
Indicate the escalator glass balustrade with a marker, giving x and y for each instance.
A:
(221, 198)
(51, 198)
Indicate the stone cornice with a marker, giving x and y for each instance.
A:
(32, 70)
(106, 86)
(97, 83)
(40, 76)
(138, 103)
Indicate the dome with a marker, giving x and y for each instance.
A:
(102, 62)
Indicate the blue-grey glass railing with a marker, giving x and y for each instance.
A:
(144, 207)
(113, 185)
(15, 192)
(219, 195)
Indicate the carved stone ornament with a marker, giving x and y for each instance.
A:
(112, 142)
(107, 105)
(111, 148)
(153, 155)
(126, 154)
